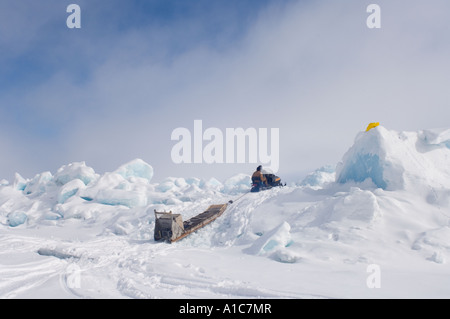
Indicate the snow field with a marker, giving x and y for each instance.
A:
(78, 234)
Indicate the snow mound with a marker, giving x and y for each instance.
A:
(398, 160)
(19, 182)
(16, 218)
(237, 184)
(320, 177)
(278, 237)
(434, 244)
(70, 189)
(137, 169)
(352, 208)
(274, 244)
(438, 137)
(77, 170)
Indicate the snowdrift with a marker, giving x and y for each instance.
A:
(386, 203)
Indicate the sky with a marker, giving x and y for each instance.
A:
(115, 89)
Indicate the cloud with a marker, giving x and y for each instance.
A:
(313, 70)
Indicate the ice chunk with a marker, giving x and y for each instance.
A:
(375, 155)
(121, 197)
(285, 255)
(76, 207)
(38, 184)
(52, 216)
(168, 184)
(16, 218)
(357, 205)
(237, 184)
(193, 181)
(136, 168)
(70, 189)
(165, 186)
(362, 167)
(106, 181)
(436, 137)
(126, 186)
(212, 184)
(180, 182)
(19, 182)
(278, 237)
(77, 170)
(320, 177)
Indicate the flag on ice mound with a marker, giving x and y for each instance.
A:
(397, 160)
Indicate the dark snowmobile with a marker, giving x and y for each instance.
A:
(272, 181)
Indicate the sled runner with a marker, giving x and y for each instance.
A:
(170, 227)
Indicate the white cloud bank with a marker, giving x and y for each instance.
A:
(313, 70)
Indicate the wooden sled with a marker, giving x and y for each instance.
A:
(171, 228)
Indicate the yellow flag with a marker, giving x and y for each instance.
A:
(372, 125)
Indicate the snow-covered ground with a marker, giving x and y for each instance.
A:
(377, 226)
